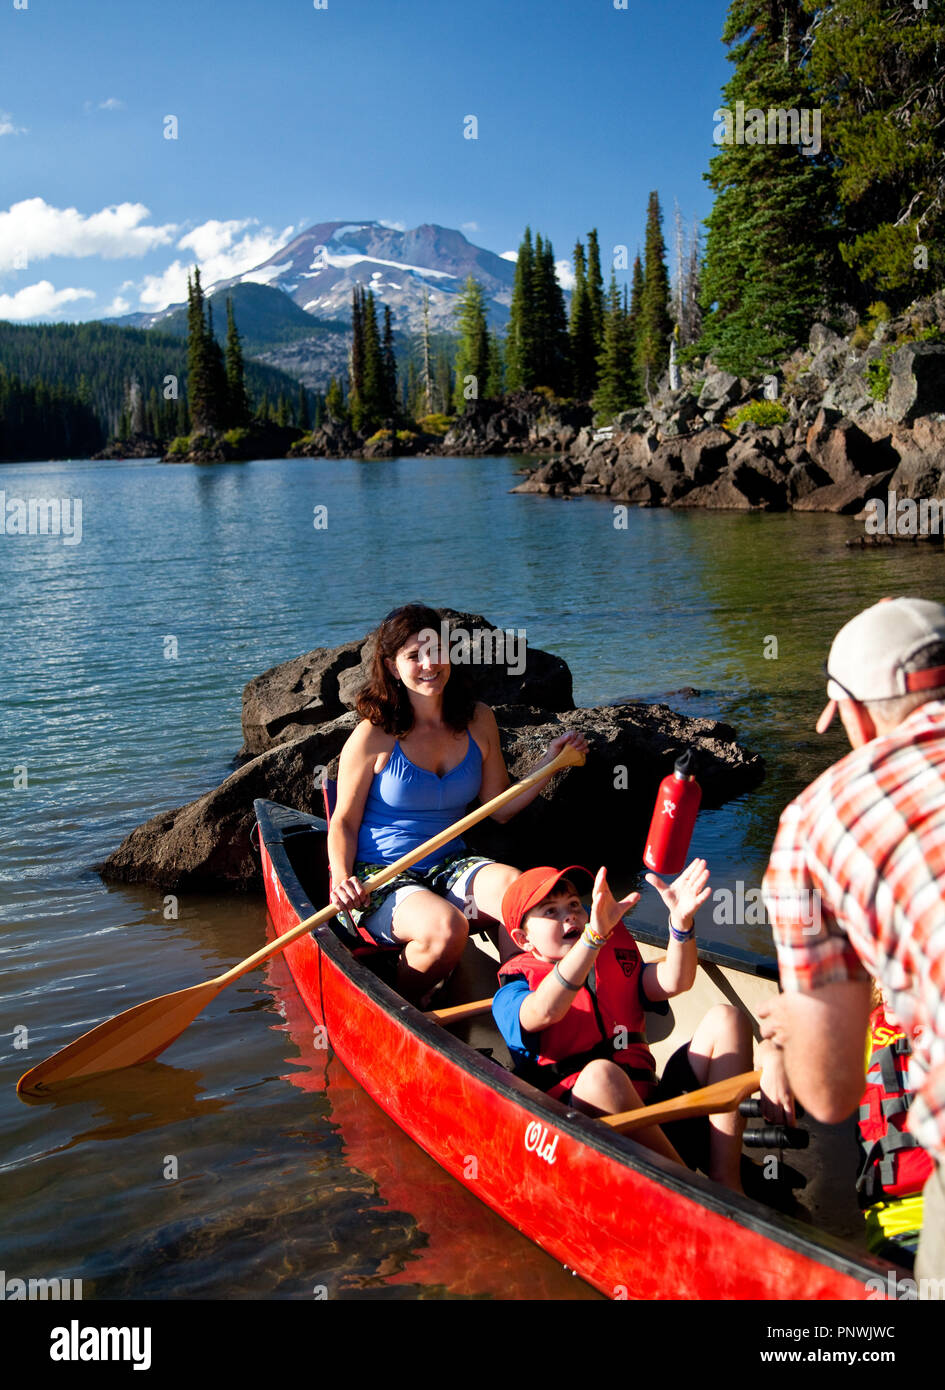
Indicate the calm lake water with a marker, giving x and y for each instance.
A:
(289, 1181)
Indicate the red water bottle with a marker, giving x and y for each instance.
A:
(674, 815)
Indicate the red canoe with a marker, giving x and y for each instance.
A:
(629, 1222)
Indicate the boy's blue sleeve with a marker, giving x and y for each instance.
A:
(506, 1007)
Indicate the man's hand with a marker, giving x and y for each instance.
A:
(777, 1100)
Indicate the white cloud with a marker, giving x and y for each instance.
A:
(37, 301)
(119, 305)
(469, 226)
(170, 287)
(41, 230)
(7, 127)
(220, 256)
(393, 226)
(212, 237)
(565, 273)
(111, 104)
(508, 256)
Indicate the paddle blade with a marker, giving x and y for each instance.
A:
(137, 1035)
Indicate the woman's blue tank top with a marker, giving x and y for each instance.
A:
(407, 805)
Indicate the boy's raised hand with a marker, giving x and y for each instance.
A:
(685, 895)
(606, 911)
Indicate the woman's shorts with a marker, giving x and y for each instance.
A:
(451, 878)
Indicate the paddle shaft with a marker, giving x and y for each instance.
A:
(709, 1100)
(568, 757)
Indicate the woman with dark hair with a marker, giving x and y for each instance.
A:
(425, 749)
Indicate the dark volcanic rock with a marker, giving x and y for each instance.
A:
(595, 814)
(301, 693)
(848, 497)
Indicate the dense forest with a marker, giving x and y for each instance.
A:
(125, 380)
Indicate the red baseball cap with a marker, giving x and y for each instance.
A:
(531, 888)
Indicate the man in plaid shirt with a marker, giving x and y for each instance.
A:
(856, 885)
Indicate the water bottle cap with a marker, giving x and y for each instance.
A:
(685, 766)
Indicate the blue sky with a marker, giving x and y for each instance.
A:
(290, 115)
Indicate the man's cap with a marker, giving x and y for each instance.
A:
(869, 654)
(531, 888)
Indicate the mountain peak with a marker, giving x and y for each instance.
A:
(319, 268)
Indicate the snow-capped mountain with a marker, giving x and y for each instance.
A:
(319, 268)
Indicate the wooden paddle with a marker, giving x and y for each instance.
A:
(710, 1100)
(141, 1033)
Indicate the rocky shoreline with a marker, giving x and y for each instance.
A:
(859, 421)
(297, 716)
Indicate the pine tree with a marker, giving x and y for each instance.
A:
(581, 329)
(595, 289)
(372, 392)
(519, 340)
(552, 360)
(472, 355)
(335, 407)
(770, 245)
(206, 375)
(237, 404)
(356, 359)
(879, 73)
(615, 383)
(389, 369)
(654, 326)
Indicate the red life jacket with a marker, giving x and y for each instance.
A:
(592, 1026)
(893, 1164)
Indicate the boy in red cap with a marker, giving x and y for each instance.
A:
(572, 1010)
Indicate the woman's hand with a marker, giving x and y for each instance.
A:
(572, 739)
(685, 895)
(777, 1099)
(606, 911)
(350, 892)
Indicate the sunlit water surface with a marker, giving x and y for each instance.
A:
(244, 1163)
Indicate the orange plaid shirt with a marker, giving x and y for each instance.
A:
(856, 885)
